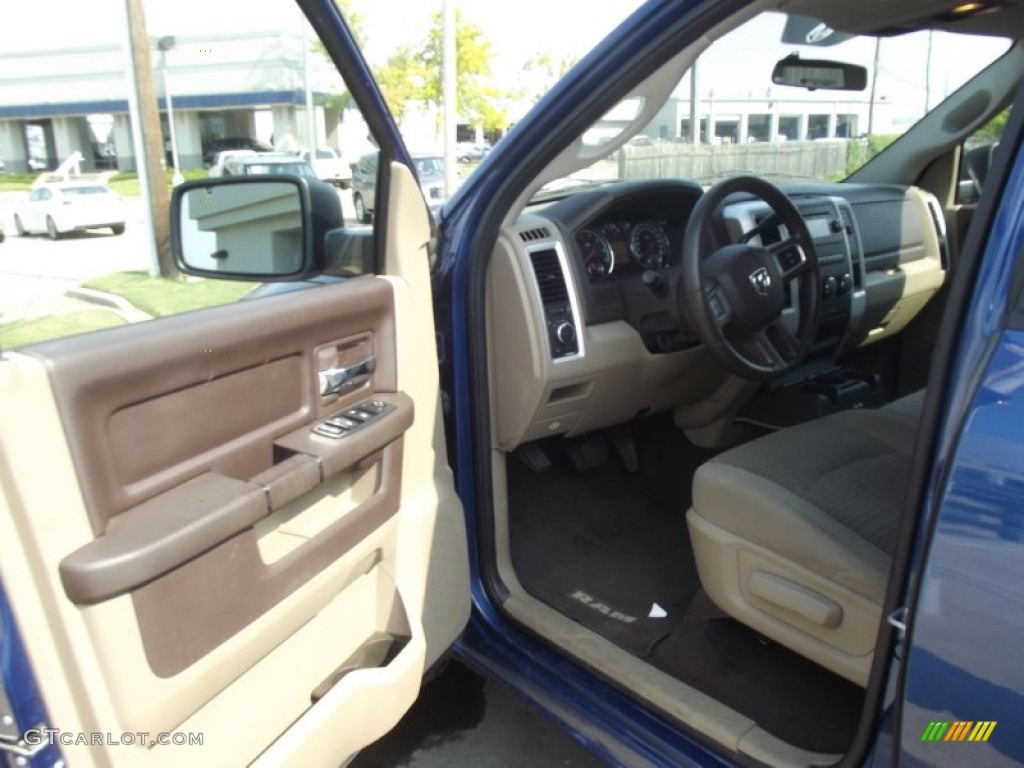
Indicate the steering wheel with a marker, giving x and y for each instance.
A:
(733, 296)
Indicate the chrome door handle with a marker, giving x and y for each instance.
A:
(334, 381)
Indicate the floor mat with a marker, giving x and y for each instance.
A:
(608, 548)
(786, 694)
(605, 556)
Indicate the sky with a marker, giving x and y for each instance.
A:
(517, 31)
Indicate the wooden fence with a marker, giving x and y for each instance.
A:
(706, 164)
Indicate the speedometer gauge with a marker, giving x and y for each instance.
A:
(597, 254)
(649, 245)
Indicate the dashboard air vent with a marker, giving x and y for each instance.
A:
(940, 230)
(538, 233)
(853, 237)
(559, 316)
(550, 279)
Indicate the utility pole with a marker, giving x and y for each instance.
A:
(694, 104)
(307, 85)
(448, 95)
(149, 146)
(165, 44)
(874, 86)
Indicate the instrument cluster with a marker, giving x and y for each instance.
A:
(624, 244)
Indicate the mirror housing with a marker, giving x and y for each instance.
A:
(255, 228)
(813, 74)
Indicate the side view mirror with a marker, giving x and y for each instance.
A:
(975, 165)
(813, 74)
(243, 228)
(265, 228)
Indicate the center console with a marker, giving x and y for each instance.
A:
(798, 399)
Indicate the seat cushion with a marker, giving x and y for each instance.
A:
(794, 533)
(827, 494)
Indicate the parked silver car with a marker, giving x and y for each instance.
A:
(429, 169)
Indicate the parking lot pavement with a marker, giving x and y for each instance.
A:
(76, 256)
(462, 721)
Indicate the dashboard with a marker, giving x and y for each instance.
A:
(592, 335)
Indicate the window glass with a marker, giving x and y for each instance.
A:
(976, 158)
(228, 84)
(729, 116)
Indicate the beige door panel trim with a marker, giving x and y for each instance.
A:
(92, 662)
(147, 407)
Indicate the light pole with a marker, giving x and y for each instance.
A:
(165, 44)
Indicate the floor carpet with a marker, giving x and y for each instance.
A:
(609, 548)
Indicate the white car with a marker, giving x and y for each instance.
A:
(328, 166)
(69, 206)
(225, 156)
(254, 163)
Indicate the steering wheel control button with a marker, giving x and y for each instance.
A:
(789, 260)
(717, 305)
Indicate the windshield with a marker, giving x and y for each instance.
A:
(293, 169)
(91, 190)
(428, 166)
(727, 117)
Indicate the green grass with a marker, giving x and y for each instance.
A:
(160, 297)
(16, 182)
(125, 184)
(32, 331)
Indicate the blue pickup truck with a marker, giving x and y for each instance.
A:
(692, 417)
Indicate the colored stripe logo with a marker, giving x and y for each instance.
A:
(960, 730)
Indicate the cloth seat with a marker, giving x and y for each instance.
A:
(794, 533)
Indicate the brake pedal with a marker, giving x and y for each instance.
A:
(533, 456)
(626, 446)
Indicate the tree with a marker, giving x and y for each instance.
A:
(414, 74)
(991, 131)
(354, 19)
(546, 70)
(401, 80)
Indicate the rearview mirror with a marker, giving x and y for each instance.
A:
(243, 229)
(813, 74)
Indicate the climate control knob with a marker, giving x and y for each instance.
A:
(565, 333)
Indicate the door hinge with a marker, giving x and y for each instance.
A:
(22, 748)
(898, 621)
(12, 741)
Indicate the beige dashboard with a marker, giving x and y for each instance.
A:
(560, 372)
(611, 379)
